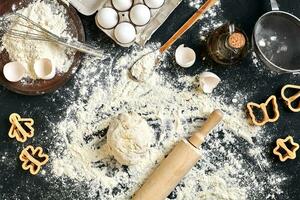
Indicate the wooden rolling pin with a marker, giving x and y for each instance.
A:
(177, 164)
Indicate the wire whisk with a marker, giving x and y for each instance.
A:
(19, 26)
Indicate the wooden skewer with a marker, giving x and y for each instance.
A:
(196, 16)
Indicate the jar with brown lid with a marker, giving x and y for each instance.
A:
(227, 44)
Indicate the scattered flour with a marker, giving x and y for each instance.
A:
(211, 20)
(143, 68)
(233, 167)
(229, 169)
(195, 3)
(51, 16)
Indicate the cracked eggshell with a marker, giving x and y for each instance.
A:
(140, 14)
(185, 56)
(44, 69)
(208, 81)
(122, 5)
(13, 71)
(125, 32)
(107, 18)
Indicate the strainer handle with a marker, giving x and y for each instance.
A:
(274, 5)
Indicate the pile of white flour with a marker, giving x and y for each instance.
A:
(234, 164)
(233, 167)
(51, 16)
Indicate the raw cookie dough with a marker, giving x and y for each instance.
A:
(129, 138)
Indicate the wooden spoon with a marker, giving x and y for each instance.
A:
(188, 24)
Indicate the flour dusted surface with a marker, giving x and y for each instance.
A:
(233, 167)
(230, 168)
(51, 16)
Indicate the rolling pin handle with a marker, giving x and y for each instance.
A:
(198, 137)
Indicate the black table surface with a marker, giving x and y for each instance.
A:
(244, 77)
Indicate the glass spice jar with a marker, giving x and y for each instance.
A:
(227, 44)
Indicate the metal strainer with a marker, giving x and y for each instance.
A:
(276, 39)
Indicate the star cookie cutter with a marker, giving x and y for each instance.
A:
(21, 128)
(263, 107)
(33, 159)
(291, 99)
(290, 153)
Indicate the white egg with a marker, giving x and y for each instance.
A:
(107, 18)
(125, 32)
(14, 71)
(185, 56)
(44, 69)
(140, 14)
(122, 5)
(208, 81)
(154, 3)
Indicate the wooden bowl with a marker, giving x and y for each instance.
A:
(39, 87)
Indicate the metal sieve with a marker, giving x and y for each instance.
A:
(276, 40)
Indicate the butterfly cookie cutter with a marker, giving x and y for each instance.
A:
(291, 99)
(290, 153)
(263, 107)
(33, 159)
(21, 128)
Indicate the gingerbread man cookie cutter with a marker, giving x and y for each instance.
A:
(291, 99)
(263, 106)
(33, 159)
(290, 153)
(21, 128)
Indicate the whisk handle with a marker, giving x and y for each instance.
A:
(82, 47)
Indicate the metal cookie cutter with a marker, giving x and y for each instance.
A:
(33, 159)
(291, 99)
(263, 107)
(290, 153)
(21, 128)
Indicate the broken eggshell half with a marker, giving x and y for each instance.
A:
(208, 81)
(13, 71)
(44, 69)
(185, 56)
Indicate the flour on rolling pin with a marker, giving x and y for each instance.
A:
(177, 164)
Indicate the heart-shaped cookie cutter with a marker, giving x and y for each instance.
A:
(291, 99)
(263, 107)
(17, 130)
(290, 152)
(33, 159)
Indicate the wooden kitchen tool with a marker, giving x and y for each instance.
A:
(178, 163)
(195, 17)
(191, 21)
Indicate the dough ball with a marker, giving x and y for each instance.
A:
(129, 138)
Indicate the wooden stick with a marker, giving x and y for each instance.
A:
(198, 137)
(206, 6)
(175, 166)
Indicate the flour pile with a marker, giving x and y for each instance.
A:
(232, 168)
(51, 16)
